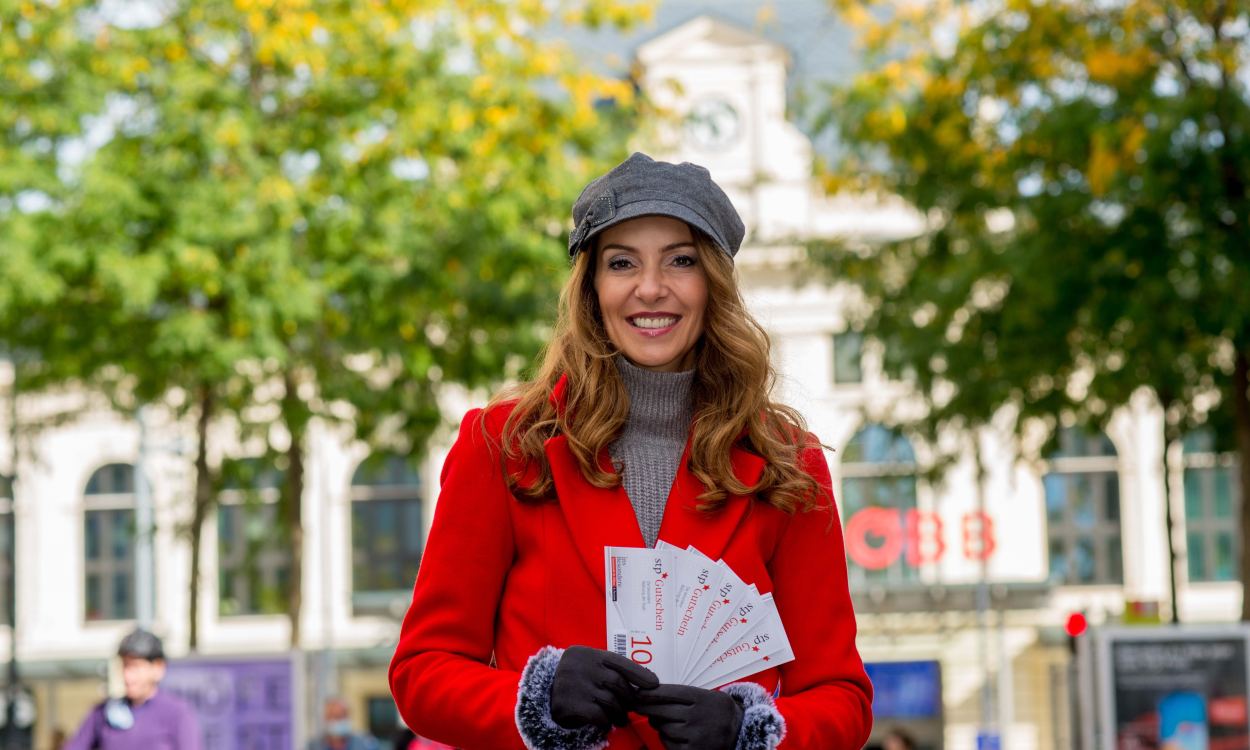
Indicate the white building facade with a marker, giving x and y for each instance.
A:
(1036, 539)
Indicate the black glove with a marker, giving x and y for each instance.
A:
(596, 688)
(691, 717)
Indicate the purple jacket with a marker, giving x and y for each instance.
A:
(163, 722)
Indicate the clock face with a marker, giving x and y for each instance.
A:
(712, 124)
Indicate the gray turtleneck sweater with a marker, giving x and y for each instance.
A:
(654, 438)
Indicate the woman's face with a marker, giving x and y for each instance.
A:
(652, 291)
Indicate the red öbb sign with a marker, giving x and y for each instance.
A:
(877, 537)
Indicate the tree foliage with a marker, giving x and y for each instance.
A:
(1081, 169)
(293, 210)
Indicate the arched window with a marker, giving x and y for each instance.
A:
(1212, 509)
(387, 531)
(1083, 510)
(109, 543)
(878, 501)
(6, 547)
(253, 560)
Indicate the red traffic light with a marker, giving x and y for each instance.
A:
(1076, 624)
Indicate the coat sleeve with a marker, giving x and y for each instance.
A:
(440, 675)
(826, 698)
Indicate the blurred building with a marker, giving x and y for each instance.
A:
(962, 587)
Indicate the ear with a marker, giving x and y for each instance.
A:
(158, 667)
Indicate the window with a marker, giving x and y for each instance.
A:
(253, 561)
(109, 543)
(6, 548)
(1212, 509)
(387, 532)
(847, 351)
(1082, 491)
(879, 472)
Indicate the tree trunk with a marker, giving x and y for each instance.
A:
(205, 499)
(1241, 414)
(296, 416)
(1169, 522)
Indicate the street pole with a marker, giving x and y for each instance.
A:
(12, 736)
(144, 528)
(983, 603)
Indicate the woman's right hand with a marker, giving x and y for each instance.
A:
(593, 687)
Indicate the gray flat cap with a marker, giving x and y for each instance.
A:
(642, 186)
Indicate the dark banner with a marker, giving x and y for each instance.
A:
(1184, 690)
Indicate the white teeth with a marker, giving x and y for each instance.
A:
(654, 322)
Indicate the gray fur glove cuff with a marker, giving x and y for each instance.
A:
(533, 709)
(762, 725)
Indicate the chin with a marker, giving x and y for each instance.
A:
(658, 361)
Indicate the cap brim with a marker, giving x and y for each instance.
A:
(656, 208)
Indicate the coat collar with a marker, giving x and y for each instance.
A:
(560, 395)
(602, 517)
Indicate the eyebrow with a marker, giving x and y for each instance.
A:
(629, 248)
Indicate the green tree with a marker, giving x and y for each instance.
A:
(306, 210)
(1081, 170)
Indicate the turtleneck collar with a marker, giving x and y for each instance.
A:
(658, 401)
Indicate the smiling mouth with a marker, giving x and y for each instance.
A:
(654, 322)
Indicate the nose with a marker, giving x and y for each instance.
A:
(651, 284)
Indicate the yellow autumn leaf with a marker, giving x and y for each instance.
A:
(897, 119)
(482, 147)
(540, 64)
(766, 15)
(481, 86)
(1134, 140)
(856, 15)
(459, 117)
(618, 90)
(275, 189)
(1103, 166)
(892, 72)
(495, 115)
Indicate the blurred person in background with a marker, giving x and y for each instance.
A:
(145, 718)
(897, 739)
(339, 734)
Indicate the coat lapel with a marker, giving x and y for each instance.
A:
(685, 525)
(597, 517)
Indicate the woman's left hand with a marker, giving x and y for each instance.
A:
(691, 717)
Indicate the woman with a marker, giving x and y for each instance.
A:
(649, 420)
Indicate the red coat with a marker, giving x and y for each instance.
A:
(500, 579)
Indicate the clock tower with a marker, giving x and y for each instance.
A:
(721, 90)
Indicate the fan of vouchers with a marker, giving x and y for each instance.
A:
(688, 618)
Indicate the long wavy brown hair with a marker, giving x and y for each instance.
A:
(732, 380)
